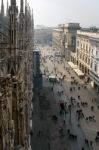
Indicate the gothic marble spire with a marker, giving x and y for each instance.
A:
(7, 9)
(32, 19)
(2, 8)
(25, 5)
(21, 6)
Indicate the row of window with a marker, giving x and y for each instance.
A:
(95, 52)
(73, 40)
(86, 48)
(84, 58)
(94, 66)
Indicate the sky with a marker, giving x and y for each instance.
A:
(54, 12)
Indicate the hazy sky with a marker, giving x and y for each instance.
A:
(54, 12)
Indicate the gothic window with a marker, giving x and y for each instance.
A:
(73, 40)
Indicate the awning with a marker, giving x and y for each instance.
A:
(52, 76)
(72, 65)
(79, 72)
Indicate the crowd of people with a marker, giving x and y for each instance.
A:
(75, 104)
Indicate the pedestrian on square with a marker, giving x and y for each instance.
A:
(64, 122)
(86, 141)
(92, 108)
(91, 143)
(78, 96)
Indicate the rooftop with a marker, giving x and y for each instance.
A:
(88, 33)
(72, 25)
(95, 38)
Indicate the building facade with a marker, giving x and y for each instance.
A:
(64, 37)
(83, 50)
(94, 65)
(57, 38)
(16, 75)
(70, 30)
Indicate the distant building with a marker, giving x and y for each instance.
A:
(57, 38)
(94, 65)
(70, 30)
(64, 38)
(43, 36)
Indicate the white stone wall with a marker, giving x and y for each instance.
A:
(94, 63)
(95, 59)
(83, 48)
